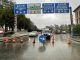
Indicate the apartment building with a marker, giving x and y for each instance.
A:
(77, 14)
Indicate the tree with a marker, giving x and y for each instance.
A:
(1, 18)
(25, 23)
(7, 18)
(76, 29)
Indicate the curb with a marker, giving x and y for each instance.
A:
(72, 39)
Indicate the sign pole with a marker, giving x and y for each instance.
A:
(42, 39)
(18, 9)
(15, 23)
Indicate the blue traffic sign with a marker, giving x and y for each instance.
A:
(61, 7)
(20, 9)
(48, 7)
(42, 39)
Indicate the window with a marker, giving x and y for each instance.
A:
(79, 14)
(77, 21)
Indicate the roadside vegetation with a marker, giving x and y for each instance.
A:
(76, 30)
(7, 19)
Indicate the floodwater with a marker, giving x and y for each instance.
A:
(59, 50)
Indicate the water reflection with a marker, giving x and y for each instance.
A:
(75, 54)
(69, 45)
(33, 44)
(52, 44)
(12, 51)
(0, 46)
(42, 48)
(53, 51)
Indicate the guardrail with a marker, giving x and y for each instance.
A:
(18, 37)
(75, 38)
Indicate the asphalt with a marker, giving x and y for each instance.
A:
(59, 50)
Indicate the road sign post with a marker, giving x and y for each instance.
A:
(35, 8)
(42, 39)
(19, 9)
(15, 23)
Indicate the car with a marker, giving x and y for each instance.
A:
(63, 32)
(47, 35)
(1, 33)
(33, 34)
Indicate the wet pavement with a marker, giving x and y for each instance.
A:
(59, 50)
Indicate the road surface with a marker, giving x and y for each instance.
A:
(59, 50)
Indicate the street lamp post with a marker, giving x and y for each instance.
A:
(71, 19)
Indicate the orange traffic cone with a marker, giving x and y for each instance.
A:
(6, 40)
(33, 40)
(13, 40)
(69, 40)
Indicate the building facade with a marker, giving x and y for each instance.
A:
(77, 15)
(0, 2)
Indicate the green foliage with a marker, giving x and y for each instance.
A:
(7, 19)
(76, 29)
(1, 18)
(5, 1)
(25, 23)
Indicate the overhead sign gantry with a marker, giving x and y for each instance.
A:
(38, 8)
(35, 8)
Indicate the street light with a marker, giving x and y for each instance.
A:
(71, 19)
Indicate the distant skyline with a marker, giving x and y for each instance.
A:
(42, 20)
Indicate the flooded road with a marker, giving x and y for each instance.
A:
(59, 50)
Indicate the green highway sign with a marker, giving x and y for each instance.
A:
(34, 8)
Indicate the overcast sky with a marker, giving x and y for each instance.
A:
(42, 20)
